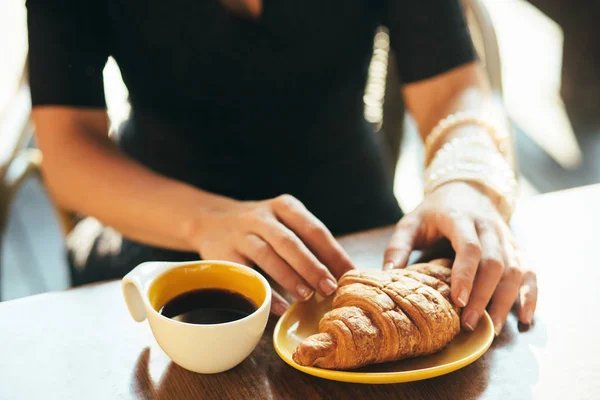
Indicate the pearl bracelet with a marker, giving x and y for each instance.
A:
(473, 159)
(469, 151)
(462, 118)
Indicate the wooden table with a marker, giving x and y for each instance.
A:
(82, 344)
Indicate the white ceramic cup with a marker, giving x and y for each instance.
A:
(205, 349)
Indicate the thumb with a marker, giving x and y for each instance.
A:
(278, 303)
(401, 244)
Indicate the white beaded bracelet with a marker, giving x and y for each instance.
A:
(469, 150)
(472, 159)
(462, 118)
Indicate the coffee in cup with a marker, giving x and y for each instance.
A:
(207, 316)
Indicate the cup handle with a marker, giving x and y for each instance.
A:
(134, 285)
(132, 292)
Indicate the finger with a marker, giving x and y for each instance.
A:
(461, 232)
(292, 213)
(278, 304)
(505, 296)
(401, 244)
(491, 267)
(269, 261)
(295, 253)
(509, 247)
(528, 294)
(291, 249)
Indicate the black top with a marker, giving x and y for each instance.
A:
(248, 109)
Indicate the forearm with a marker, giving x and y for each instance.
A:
(464, 89)
(87, 174)
(458, 107)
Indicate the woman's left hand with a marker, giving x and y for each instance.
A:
(487, 266)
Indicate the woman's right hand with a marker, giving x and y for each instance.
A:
(282, 238)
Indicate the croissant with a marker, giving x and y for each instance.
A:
(381, 316)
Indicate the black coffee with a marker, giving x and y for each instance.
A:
(208, 306)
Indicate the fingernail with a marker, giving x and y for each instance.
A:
(304, 291)
(529, 317)
(498, 327)
(328, 286)
(280, 308)
(388, 265)
(463, 297)
(471, 320)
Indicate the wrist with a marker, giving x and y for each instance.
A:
(464, 188)
(475, 161)
(462, 121)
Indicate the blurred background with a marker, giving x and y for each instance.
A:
(542, 58)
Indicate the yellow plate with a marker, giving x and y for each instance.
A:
(302, 319)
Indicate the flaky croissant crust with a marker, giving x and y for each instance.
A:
(381, 316)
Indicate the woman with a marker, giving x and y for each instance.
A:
(246, 140)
